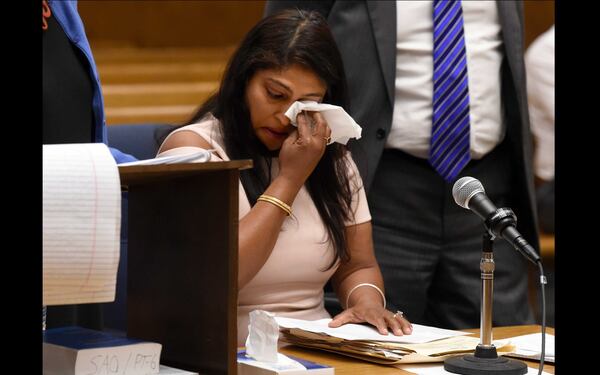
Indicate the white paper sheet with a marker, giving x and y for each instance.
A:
(167, 370)
(197, 156)
(81, 223)
(420, 334)
(530, 346)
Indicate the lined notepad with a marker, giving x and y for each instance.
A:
(81, 223)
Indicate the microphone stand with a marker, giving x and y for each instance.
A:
(485, 360)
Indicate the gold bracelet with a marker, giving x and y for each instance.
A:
(369, 285)
(276, 202)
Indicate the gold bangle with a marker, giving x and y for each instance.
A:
(369, 285)
(276, 202)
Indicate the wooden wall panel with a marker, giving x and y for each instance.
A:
(539, 16)
(176, 23)
(168, 23)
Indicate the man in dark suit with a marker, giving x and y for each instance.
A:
(429, 248)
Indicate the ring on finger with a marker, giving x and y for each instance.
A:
(398, 314)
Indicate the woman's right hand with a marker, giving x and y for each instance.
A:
(303, 148)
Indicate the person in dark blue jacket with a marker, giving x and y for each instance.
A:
(72, 96)
(72, 112)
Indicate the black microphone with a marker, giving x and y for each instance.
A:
(468, 193)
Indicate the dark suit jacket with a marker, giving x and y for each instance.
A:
(365, 32)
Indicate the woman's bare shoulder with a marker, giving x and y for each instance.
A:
(184, 138)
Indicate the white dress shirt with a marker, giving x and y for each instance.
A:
(411, 126)
(539, 61)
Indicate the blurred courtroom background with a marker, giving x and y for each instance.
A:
(158, 60)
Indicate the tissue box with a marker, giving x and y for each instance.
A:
(250, 366)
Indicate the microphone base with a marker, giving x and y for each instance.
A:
(472, 365)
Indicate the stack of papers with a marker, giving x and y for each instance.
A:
(425, 344)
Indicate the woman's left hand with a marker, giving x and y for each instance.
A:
(376, 315)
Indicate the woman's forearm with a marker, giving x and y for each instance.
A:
(364, 285)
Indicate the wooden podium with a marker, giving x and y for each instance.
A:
(183, 261)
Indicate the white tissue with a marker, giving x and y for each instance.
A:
(263, 333)
(343, 127)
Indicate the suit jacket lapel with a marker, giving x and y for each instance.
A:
(511, 21)
(383, 22)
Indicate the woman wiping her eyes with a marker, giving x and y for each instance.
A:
(303, 214)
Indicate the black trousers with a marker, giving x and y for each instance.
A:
(429, 248)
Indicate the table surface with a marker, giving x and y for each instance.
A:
(349, 366)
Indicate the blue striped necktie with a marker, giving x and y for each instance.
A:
(450, 145)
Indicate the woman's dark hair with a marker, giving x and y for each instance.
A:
(283, 39)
